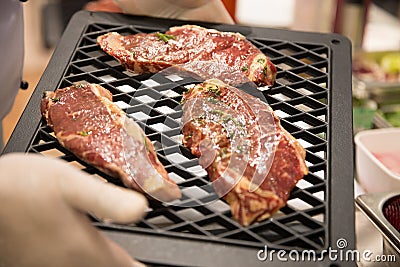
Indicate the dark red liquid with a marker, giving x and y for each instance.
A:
(391, 210)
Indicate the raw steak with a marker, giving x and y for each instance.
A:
(90, 125)
(253, 162)
(150, 53)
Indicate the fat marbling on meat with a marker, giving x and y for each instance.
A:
(92, 127)
(153, 52)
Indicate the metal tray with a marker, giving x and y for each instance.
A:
(372, 205)
(312, 96)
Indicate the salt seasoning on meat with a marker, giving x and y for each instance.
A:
(153, 52)
(253, 162)
(93, 128)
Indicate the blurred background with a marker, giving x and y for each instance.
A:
(372, 26)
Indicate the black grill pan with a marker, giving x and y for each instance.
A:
(312, 96)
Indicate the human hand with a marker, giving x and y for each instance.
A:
(202, 10)
(43, 221)
(102, 5)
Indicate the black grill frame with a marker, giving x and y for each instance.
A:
(313, 87)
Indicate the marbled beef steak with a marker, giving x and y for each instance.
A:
(253, 162)
(152, 52)
(91, 126)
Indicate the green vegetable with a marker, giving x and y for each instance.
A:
(227, 118)
(363, 118)
(239, 149)
(216, 90)
(223, 152)
(391, 113)
(164, 37)
(217, 112)
(238, 123)
(199, 120)
(55, 99)
(79, 85)
(213, 100)
(84, 133)
(393, 118)
(245, 68)
(390, 63)
(145, 143)
(265, 71)
(189, 136)
(261, 60)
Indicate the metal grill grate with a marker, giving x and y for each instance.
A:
(300, 97)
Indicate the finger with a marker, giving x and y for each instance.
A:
(213, 11)
(102, 5)
(83, 191)
(106, 201)
(90, 246)
(80, 190)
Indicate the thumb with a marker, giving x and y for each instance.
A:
(104, 200)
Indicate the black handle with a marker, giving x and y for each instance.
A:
(24, 85)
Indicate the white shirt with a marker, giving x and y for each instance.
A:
(11, 52)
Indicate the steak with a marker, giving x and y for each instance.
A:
(91, 126)
(253, 162)
(153, 52)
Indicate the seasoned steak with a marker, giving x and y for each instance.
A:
(150, 53)
(90, 125)
(253, 162)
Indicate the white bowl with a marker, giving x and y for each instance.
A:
(372, 174)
